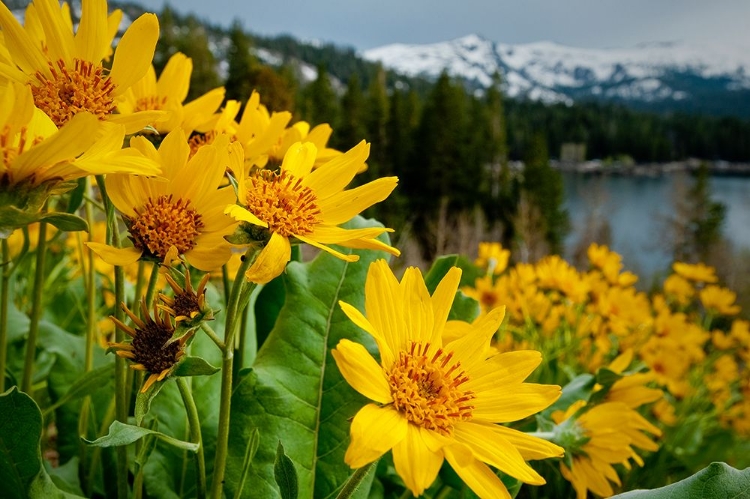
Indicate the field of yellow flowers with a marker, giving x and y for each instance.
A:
(161, 334)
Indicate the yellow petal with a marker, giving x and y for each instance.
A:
(134, 52)
(91, 39)
(357, 318)
(418, 314)
(336, 174)
(529, 447)
(472, 348)
(115, 256)
(513, 403)
(442, 301)
(490, 447)
(477, 475)
(271, 261)
(59, 37)
(240, 214)
(136, 122)
(375, 430)
(504, 369)
(415, 463)
(361, 371)
(328, 249)
(299, 159)
(25, 53)
(345, 205)
(385, 305)
(174, 81)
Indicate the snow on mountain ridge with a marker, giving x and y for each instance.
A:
(551, 71)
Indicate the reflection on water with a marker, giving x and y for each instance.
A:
(637, 210)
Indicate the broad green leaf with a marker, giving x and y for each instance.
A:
(717, 481)
(285, 474)
(66, 222)
(195, 366)
(143, 400)
(65, 476)
(86, 385)
(295, 393)
(124, 434)
(22, 474)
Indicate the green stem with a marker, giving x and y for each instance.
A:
(212, 334)
(109, 416)
(195, 435)
(151, 290)
(36, 309)
(122, 392)
(4, 300)
(351, 485)
(233, 306)
(138, 288)
(544, 435)
(240, 353)
(225, 282)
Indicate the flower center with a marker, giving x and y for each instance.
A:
(280, 200)
(151, 349)
(163, 223)
(198, 140)
(150, 103)
(426, 390)
(68, 93)
(488, 299)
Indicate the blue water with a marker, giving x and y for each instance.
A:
(637, 209)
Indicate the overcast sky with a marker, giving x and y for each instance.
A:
(365, 24)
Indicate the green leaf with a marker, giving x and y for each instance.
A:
(194, 366)
(463, 308)
(87, 384)
(579, 388)
(21, 472)
(285, 474)
(124, 434)
(295, 392)
(76, 196)
(143, 400)
(717, 481)
(66, 222)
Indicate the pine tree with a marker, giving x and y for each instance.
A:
(544, 188)
(376, 121)
(240, 64)
(351, 128)
(321, 102)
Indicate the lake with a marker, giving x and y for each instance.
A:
(637, 209)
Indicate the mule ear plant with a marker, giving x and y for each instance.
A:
(153, 347)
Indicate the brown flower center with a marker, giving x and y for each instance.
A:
(69, 92)
(280, 200)
(426, 390)
(163, 223)
(151, 349)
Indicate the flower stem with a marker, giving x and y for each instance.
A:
(195, 435)
(151, 290)
(239, 292)
(4, 300)
(36, 310)
(122, 391)
(351, 485)
(212, 334)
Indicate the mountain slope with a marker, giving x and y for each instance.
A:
(666, 74)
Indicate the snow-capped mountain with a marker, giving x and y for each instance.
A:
(555, 73)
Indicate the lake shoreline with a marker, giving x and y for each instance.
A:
(602, 168)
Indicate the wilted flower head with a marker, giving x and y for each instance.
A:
(153, 347)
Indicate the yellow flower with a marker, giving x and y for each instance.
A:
(300, 132)
(259, 131)
(610, 431)
(437, 400)
(167, 94)
(698, 272)
(488, 294)
(184, 214)
(152, 348)
(679, 288)
(719, 300)
(64, 69)
(493, 257)
(298, 203)
(38, 159)
(631, 389)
